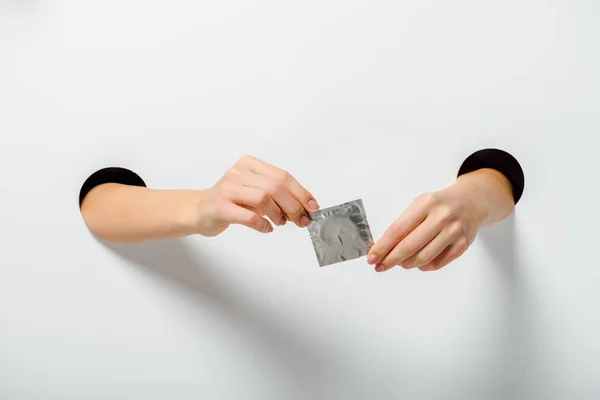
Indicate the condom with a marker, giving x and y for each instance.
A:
(340, 233)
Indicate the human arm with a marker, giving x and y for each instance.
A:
(439, 227)
(245, 194)
(121, 213)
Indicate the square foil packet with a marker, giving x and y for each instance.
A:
(340, 233)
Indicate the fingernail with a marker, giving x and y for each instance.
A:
(372, 259)
(283, 221)
(379, 268)
(313, 205)
(305, 221)
(270, 229)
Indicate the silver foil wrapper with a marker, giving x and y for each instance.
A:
(340, 233)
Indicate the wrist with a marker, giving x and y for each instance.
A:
(469, 187)
(490, 191)
(190, 212)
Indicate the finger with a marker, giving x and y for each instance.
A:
(238, 215)
(431, 250)
(263, 168)
(291, 207)
(414, 215)
(301, 194)
(412, 243)
(450, 254)
(257, 200)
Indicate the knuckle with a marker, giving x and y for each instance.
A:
(231, 174)
(263, 198)
(225, 186)
(462, 246)
(228, 173)
(458, 229)
(277, 188)
(390, 261)
(423, 257)
(407, 248)
(244, 160)
(252, 219)
(447, 215)
(284, 176)
(431, 266)
(427, 267)
(395, 230)
(405, 265)
(305, 196)
(421, 198)
(429, 199)
(297, 210)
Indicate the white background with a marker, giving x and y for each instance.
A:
(379, 100)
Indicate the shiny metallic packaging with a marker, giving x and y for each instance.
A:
(340, 233)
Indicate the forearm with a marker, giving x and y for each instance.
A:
(490, 192)
(130, 214)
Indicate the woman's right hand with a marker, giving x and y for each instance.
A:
(249, 191)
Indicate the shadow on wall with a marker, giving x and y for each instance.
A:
(173, 261)
(516, 346)
(306, 368)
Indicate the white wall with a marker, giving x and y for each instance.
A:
(377, 100)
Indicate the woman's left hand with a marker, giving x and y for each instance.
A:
(436, 229)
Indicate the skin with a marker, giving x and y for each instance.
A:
(439, 227)
(248, 192)
(436, 229)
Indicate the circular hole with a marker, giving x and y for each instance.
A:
(501, 161)
(109, 175)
